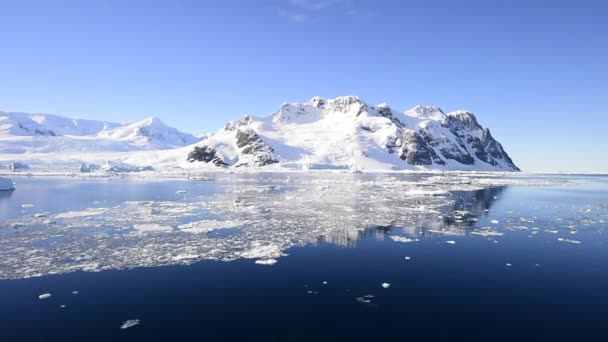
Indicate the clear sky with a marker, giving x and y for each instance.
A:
(535, 72)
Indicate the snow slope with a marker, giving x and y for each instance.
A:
(26, 133)
(347, 133)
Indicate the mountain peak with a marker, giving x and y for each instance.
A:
(344, 133)
(426, 113)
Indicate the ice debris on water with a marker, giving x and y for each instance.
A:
(366, 299)
(407, 258)
(569, 240)
(386, 285)
(75, 292)
(130, 323)
(268, 262)
(156, 232)
(451, 242)
(325, 282)
(44, 296)
(495, 222)
(402, 239)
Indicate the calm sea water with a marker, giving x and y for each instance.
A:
(525, 262)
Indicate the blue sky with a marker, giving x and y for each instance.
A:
(535, 72)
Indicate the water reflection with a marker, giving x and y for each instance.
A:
(238, 216)
(456, 218)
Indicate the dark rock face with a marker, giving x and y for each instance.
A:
(388, 113)
(416, 151)
(251, 144)
(47, 132)
(486, 148)
(205, 154)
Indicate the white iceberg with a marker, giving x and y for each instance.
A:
(268, 262)
(44, 296)
(130, 323)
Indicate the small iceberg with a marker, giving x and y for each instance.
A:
(268, 262)
(6, 184)
(130, 323)
(386, 285)
(44, 296)
(402, 239)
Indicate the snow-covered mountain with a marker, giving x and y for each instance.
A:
(44, 133)
(347, 133)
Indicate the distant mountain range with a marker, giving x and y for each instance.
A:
(343, 133)
(46, 133)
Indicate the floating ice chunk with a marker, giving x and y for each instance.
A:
(445, 232)
(130, 323)
(402, 239)
(451, 242)
(27, 205)
(205, 226)
(262, 252)
(44, 296)
(63, 306)
(185, 256)
(487, 233)
(181, 192)
(569, 240)
(75, 292)
(324, 282)
(407, 258)
(386, 285)
(152, 227)
(495, 222)
(268, 262)
(363, 300)
(81, 214)
(509, 264)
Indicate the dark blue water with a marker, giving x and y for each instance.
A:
(553, 290)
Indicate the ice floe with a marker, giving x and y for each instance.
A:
(130, 323)
(402, 239)
(267, 262)
(45, 296)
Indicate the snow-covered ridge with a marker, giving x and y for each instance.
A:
(44, 133)
(347, 133)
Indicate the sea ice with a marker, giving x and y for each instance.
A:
(130, 323)
(44, 296)
(386, 285)
(402, 239)
(267, 262)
